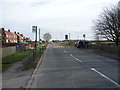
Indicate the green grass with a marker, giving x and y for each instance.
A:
(9, 60)
(15, 57)
(32, 63)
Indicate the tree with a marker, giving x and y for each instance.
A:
(108, 25)
(47, 36)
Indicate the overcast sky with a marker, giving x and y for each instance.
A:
(57, 17)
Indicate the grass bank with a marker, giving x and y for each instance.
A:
(9, 60)
(34, 60)
(67, 44)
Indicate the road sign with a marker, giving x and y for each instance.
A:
(84, 35)
(34, 28)
(66, 37)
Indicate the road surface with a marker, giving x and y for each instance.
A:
(69, 67)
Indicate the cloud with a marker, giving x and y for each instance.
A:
(55, 16)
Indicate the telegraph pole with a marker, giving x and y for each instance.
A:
(69, 36)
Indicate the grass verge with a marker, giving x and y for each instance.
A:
(33, 62)
(15, 57)
(9, 60)
(65, 44)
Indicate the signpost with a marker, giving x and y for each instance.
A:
(34, 29)
(84, 36)
(66, 37)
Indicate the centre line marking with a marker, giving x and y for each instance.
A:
(105, 77)
(65, 51)
(75, 58)
(71, 55)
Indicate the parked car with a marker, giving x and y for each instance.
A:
(75, 44)
(82, 44)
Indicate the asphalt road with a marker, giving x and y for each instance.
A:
(64, 67)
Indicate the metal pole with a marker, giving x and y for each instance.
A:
(36, 39)
(69, 36)
(39, 34)
(84, 36)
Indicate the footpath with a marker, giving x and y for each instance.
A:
(15, 77)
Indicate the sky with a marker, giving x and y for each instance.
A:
(57, 17)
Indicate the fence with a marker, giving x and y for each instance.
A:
(6, 51)
(109, 50)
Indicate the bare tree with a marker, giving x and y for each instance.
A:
(108, 25)
(47, 36)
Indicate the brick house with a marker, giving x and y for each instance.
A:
(27, 39)
(20, 37)
(10, 37)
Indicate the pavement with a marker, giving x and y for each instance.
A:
(0, 80)
(64, 67)
(14, 77)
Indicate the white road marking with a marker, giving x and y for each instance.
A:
(93, 69)
(71, 55)
(65, 51)
(75, 58)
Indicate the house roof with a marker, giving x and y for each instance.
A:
(20, 35)
(10, 33)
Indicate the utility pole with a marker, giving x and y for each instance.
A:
(61, 37)
(69, 36)
(77, 37)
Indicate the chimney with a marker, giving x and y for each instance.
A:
(3, 29)
(9, 30)
(15, 32)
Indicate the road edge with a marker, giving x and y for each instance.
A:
(30, 82)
